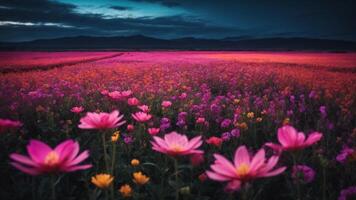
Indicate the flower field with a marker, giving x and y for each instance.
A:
(178, 125)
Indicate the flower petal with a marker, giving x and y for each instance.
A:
(241, 156)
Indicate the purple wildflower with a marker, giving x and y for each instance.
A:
(302, 171)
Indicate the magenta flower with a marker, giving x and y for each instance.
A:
(7, 123)
(244, 168)
(130, 127)
(307, 173)
(291, 140)
(115, 95)
(144, 108)
(175, 144)
(43, 159)
(183, 95)
(104, 92)
(126, 93)
(348, 193)
(141, 116)
(214, 141)
(153, 131)
(200, 120)
(101, 120)
(166, 104)
(77, 109)
(345, 153)
(133, 101)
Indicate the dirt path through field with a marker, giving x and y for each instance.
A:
(56, 65)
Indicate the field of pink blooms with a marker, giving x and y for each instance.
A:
(178, 125)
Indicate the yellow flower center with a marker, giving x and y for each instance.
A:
(52, 158)
(176, 148)
(243, 170)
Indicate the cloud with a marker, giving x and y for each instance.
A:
(43, 18)
(167, 3)
(11, 23)
(120, 8)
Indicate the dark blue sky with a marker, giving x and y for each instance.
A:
(33, 19)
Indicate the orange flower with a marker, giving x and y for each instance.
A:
(102, 181)
(126, 190)
(140, 178)
(135, 162)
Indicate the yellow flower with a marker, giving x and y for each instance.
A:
(140, 178)
(115, 136)
(102, 181)
(135, 162)
(250, 115)
(286, 121)
(259, 119)
(126, 190)
(185, 190)
(236, 101)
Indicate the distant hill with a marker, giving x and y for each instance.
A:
(140, 42)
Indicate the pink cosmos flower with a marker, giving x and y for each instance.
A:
(214, 141)
(144, 108)
(244, 168)
(291, 140)
(77, 109)
(104, 92)
(183, 95)
(133, 101)
(43, 159)
(141, 116)
(166, 104)
(175, 144)
(126, 93)
(153, 131)
(7, 123)
(115, 95)
(102, 120)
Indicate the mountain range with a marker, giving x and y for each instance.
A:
(140, 42)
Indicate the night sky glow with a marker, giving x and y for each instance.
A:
(34, 19)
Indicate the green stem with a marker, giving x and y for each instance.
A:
(176, 177)
(231, 196)
(245, 192)
(53, 187)
(113, 159)
(105, 153)
(106, 194)
(33, 188)
(324, 183)
(297, 181)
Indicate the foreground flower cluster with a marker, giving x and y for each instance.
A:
(186, 126)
